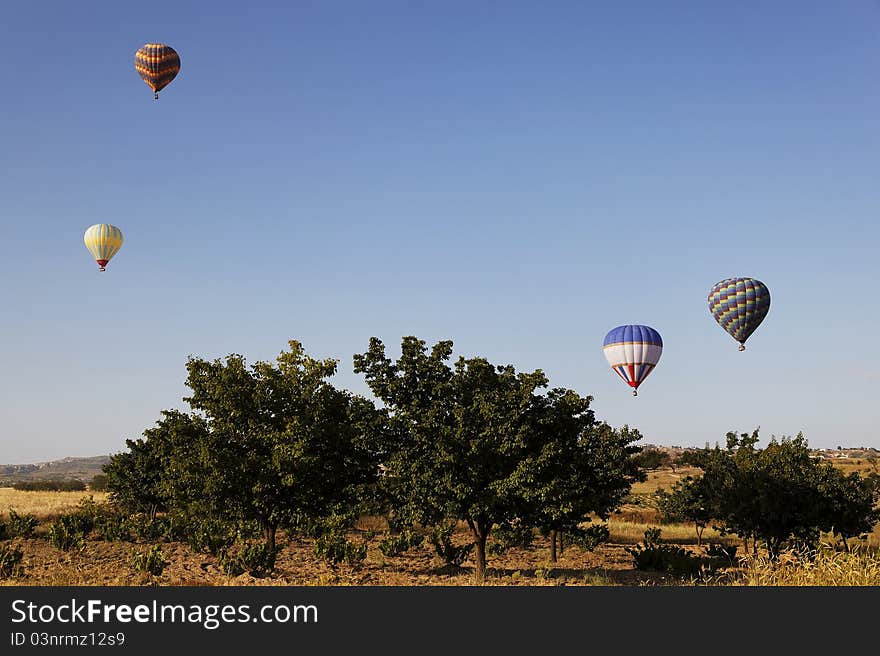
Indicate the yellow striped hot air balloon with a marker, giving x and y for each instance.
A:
(157, 64)
(103, 241)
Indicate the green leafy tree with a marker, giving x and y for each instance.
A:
(686, 503)
(780, 495)
(850, 503)
(651, 458)
(461, 435)
(581, 468)
(284, 442)
(692, 457)
(98, 483)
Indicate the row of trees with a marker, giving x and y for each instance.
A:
(278, 445)
(778, 495)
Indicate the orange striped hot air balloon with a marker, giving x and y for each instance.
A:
(157, 64)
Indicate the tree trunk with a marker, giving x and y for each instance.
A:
(553, 546)
(700, 535)
(269, 533)
(561, 543)
(481, 555)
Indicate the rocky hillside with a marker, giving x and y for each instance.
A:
(82, 469)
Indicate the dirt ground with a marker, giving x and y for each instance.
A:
(108, 564)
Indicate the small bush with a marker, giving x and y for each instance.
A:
(395, 545)
(255, 558)
(588, 538)
(146, 528)
(66, 533)
(724, 556)
(334, 547)
(99, 483)
(654, 556)
(50, 486)
(441, 538)
(210, 536)
(150, 561)
(174, 525)
(87, 511)
(21, 525)
(4, 530)
(10, 561)
(510, 536)
(112, 526)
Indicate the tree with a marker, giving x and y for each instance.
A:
(780, 495)
(692, 457)
(267, 443)
(583, 467)
(686, 502)
(140, 479)
(285, 443)
(850, 503)
(651, 458)
(465, 437)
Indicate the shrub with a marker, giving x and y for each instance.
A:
(66, 533)
(87, 511)
(441, 538)
(174, 526)
(99, 483)
(112, 526)
(146, 528)
(255, 558)
(510, 536)
(650, 458)
(724, 556)
(150, 561)
(652, 554)
(655, 556)
(395, 545)
(10, 561)
(588, 538)
(210, 536)
(50, 486)
(335, 547)
(4, 529)
(21, 525)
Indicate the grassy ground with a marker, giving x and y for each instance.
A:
(43, 504)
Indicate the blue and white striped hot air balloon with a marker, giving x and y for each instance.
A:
(633, 352)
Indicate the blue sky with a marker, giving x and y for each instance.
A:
(518, 177)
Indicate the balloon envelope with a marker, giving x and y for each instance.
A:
(157, 64)
(633, 351)
(739, 305)
(103, 241)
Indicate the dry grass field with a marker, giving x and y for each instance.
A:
(109, 563)
(43, 504)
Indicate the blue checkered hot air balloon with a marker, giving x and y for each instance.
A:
(739, 305)
(633, 351)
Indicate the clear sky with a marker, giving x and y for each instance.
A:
(518, 177)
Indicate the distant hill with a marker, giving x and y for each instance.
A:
(83, 469)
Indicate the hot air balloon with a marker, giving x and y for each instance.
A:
(739, 305)
(633, 352)
(103, 241)
(157, 64)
